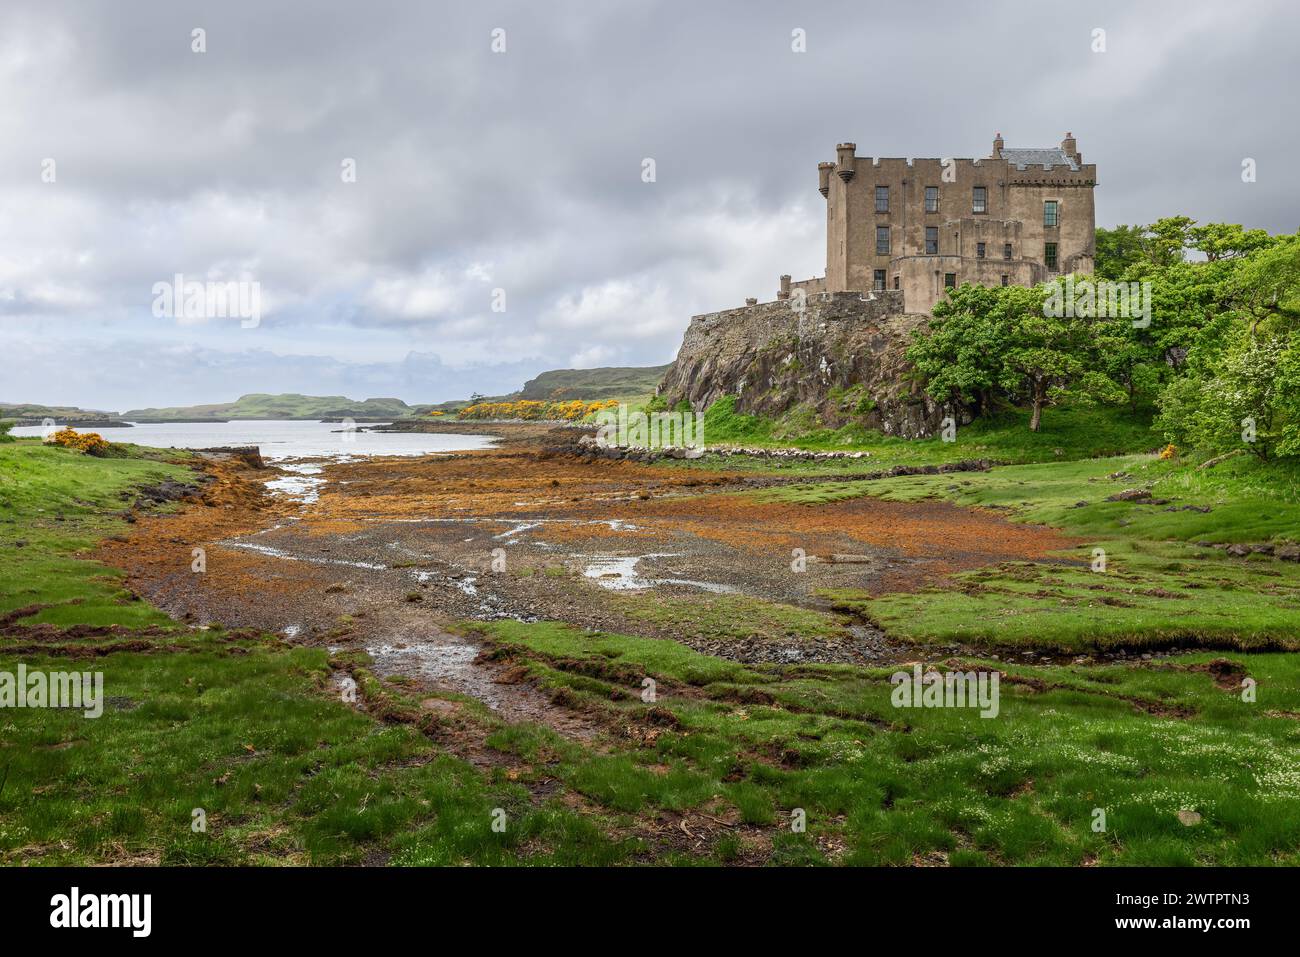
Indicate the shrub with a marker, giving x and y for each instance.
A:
(574, 410)
(91, 443)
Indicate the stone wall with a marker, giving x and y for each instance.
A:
(776, 356)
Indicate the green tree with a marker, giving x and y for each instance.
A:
(1250, 399)
(958, 355)
(996, 343)
(1119, 249)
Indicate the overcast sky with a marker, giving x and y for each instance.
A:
(522, 170)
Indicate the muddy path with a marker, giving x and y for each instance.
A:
(387, 555)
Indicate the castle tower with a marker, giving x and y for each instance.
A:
(1019, 217)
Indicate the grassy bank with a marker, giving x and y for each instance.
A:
(1067, 433)
(250, 731)
(751, 747)
(1157, 588)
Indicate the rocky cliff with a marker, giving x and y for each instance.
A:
(839, 354)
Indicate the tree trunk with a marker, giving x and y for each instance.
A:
(1037, 417)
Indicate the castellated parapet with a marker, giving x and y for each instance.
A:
(1018, 217)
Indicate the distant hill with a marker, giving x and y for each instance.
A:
(558, 384)
(590, 384)
(29, 410)
(259, 405)
(30, 413)
(608, 382)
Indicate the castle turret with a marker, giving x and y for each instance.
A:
(784, 291)
(844, 154)
(824, 178)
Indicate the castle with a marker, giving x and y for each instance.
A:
(899, 234)
(922, 226)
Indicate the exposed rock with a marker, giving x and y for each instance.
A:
(165, 491)
(1130, 495)
(775, 356)
(250, 455)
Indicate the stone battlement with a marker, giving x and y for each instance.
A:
(809, 310)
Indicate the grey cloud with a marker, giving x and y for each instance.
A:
(522, 170)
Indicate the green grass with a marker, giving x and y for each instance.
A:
(254, 732)
(246, 728)
(55, 504)
(1157, 588)
(1067, 433)
(896, 786)
(725, 616)
(282, 769)
(1148, 597)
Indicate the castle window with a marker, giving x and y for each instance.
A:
(979, 200)
(882, 199)
(882, 240)
(895, 282)
(1049, 213)
(932, 199)
(1006, 280)
(1006, 250)
(932, 240)
(879, 282)
(1049, 255)
(950, 280)
(979, 250)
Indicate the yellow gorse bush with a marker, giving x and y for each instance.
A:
(92, 443)
(573, 410)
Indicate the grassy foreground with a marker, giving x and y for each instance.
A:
(1163, 762)
(239, 726)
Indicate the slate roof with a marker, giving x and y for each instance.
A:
(1047, 158)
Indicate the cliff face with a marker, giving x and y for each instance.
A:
(841, 354)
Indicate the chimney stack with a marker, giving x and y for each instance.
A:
(997, 146)
(1071, 148)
